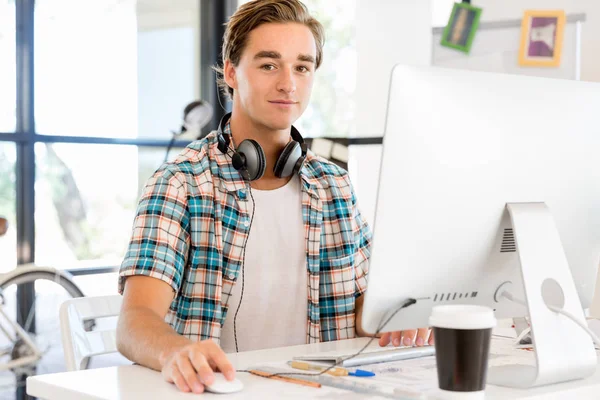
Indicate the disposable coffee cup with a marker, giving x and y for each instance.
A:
(462, 347)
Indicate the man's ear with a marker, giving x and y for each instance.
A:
(229, 74)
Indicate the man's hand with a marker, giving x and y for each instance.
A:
(419, 337)
(407, 338)
(190, 367)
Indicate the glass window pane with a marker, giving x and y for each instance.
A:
(8, 242)
(8, 67)
(86, 197)
(98, 284)
(132, 80)
(167, 53)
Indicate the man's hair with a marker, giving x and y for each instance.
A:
(255, 13)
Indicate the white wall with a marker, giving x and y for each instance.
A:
(494, 10)
(388, 32)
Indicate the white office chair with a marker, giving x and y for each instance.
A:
(79, 345)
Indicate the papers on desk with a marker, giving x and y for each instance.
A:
(406, 379)
(370, 356)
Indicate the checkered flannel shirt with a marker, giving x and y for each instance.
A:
(190, 229)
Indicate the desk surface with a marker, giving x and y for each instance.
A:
(136, 382)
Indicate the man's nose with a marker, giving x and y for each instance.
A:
(287, 81)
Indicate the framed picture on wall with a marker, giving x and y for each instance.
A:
(461, 27)
(541, 38)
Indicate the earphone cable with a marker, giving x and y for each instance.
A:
(243, 263)
(406, 303)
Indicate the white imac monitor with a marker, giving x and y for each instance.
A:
(490, 182)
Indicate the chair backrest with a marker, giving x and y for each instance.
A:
(79, 344)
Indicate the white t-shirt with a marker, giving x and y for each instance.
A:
(275, 303)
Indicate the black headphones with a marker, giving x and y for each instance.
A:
(249, 157)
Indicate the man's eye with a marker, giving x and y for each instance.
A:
(268, 67)
(302, 68)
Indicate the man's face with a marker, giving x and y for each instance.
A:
(273, 80)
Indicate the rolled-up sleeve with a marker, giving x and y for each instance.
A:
(160, 237)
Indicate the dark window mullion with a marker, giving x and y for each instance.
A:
(11, 137)
(141, 142)
(213, 15)
(25, 168)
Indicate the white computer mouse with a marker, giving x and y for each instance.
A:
(222, 386)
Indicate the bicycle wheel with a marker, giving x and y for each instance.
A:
(51, 290)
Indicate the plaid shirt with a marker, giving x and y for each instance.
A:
(191, 225)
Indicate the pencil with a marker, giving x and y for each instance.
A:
(286, 378)
(307, 367)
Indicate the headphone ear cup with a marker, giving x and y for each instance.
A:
(254, 157)
(287, 160)
(238, 161)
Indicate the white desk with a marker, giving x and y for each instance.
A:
(135, 382)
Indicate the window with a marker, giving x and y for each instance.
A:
(8, 242)
(86, 198)
(104, 71)
(8, 67)
(166, 76)
(85, 72)
(332, 107)
(130, 81)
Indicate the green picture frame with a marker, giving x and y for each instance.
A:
(461, 27)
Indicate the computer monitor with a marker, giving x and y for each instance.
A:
(488, 179)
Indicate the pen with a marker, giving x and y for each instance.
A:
(337, 371)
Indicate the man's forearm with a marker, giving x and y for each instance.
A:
(142, 336)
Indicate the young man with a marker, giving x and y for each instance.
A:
(223, 259)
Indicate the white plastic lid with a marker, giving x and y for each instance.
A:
(462, 317)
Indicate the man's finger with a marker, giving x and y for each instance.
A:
(204, 372)
(384, 340)
(409, 337)
(166, 373)
(213, 365)
(189, 373)
(422, 336)
(178, 379)
(217, 355)
(397, 338)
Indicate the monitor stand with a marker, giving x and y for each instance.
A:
(563, 350)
